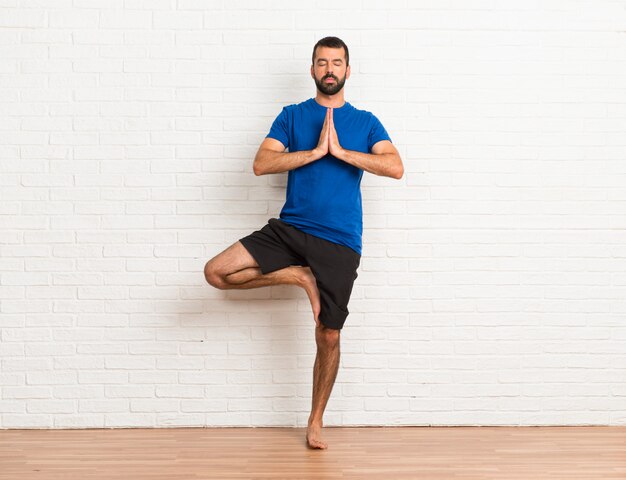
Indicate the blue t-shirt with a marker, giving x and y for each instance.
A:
(324, 196)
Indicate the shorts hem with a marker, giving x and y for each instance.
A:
(265, 269)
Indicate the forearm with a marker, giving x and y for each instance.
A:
(383, 164)
(269, 161)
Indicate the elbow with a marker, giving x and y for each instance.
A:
(256, 168)
(399, 172)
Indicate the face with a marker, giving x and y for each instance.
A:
(329, 70)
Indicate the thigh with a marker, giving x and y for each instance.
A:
(275, 246)
(231, 260)
(335, 268)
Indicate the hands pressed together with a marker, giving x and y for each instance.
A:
(328, 142)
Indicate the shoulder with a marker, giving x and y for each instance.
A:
(292, 107)
(363, 114)
(360, 111)
(293, 110)
(366, 119)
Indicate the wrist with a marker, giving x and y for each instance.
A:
(340, 154)
(316, 154)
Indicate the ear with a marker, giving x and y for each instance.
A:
(312, 72)
(347, 72)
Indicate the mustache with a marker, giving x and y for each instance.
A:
(330, 76)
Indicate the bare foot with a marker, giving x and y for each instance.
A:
(309, 283)
(313, 436)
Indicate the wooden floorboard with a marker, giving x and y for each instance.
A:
(381, 453)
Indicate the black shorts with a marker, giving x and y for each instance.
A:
(278, 245)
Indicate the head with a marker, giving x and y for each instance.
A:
(330, 60)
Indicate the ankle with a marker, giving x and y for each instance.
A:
(315, 422)
(299, 276)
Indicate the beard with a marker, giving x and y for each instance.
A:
(330, 88)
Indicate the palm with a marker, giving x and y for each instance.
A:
(328, 141)
(333, 140)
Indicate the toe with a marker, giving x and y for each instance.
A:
(317, 444)
(313, 442)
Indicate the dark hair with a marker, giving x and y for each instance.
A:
(331, 42)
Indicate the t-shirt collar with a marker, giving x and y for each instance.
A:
(345, 104)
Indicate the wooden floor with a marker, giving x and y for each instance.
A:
(381, 453)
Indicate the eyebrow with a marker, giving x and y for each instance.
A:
(334, 60)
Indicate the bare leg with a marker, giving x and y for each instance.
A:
(235, 268)
(324, 375)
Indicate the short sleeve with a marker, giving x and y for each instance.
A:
(377, 133)
(280, 128)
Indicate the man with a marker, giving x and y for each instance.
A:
(316, 242)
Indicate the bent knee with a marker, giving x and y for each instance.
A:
(213, 277)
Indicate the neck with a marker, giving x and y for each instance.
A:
(331, 101)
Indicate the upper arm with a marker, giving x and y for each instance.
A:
(384, 146)
(272, 144)
(281, 127)
(268, 144)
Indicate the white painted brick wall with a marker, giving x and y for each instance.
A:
(492, 284)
